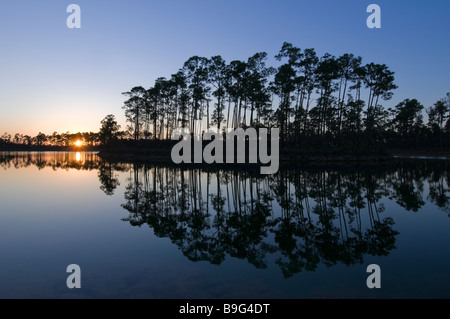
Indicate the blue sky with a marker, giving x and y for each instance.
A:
(53, 78)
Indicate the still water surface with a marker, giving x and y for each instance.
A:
(146, 231)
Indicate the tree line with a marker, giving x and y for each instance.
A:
(66, 139)
(109, 131)
(315, 101)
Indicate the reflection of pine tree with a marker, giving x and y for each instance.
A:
(407, 185)
(107, 177)
(439, 186)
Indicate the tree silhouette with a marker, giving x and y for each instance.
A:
(408, 119)
(133, 109)
(109, 130)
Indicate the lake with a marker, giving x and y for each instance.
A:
(162, 232)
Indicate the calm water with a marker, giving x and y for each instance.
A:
(143, 231)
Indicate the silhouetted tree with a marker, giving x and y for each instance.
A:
(437, 116)
(380, 82)
(408, 120)
(134, 107)
(108, 130)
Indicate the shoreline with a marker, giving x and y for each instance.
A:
(162, 155)
(312, 158)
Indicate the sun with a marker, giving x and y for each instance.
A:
(78, 143)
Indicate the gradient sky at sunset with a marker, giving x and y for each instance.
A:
(57, 79)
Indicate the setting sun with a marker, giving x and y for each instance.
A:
(78, 143)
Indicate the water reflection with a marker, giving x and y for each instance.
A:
(296, 220)
(302, 218)
(108, 177)
(54, 160)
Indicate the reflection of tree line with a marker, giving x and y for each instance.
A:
(54, 160)
(303, 217)
(66, 161)
(409, 181)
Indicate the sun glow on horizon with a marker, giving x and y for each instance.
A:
(78, 143)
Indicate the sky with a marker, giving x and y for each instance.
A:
(53, 78)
